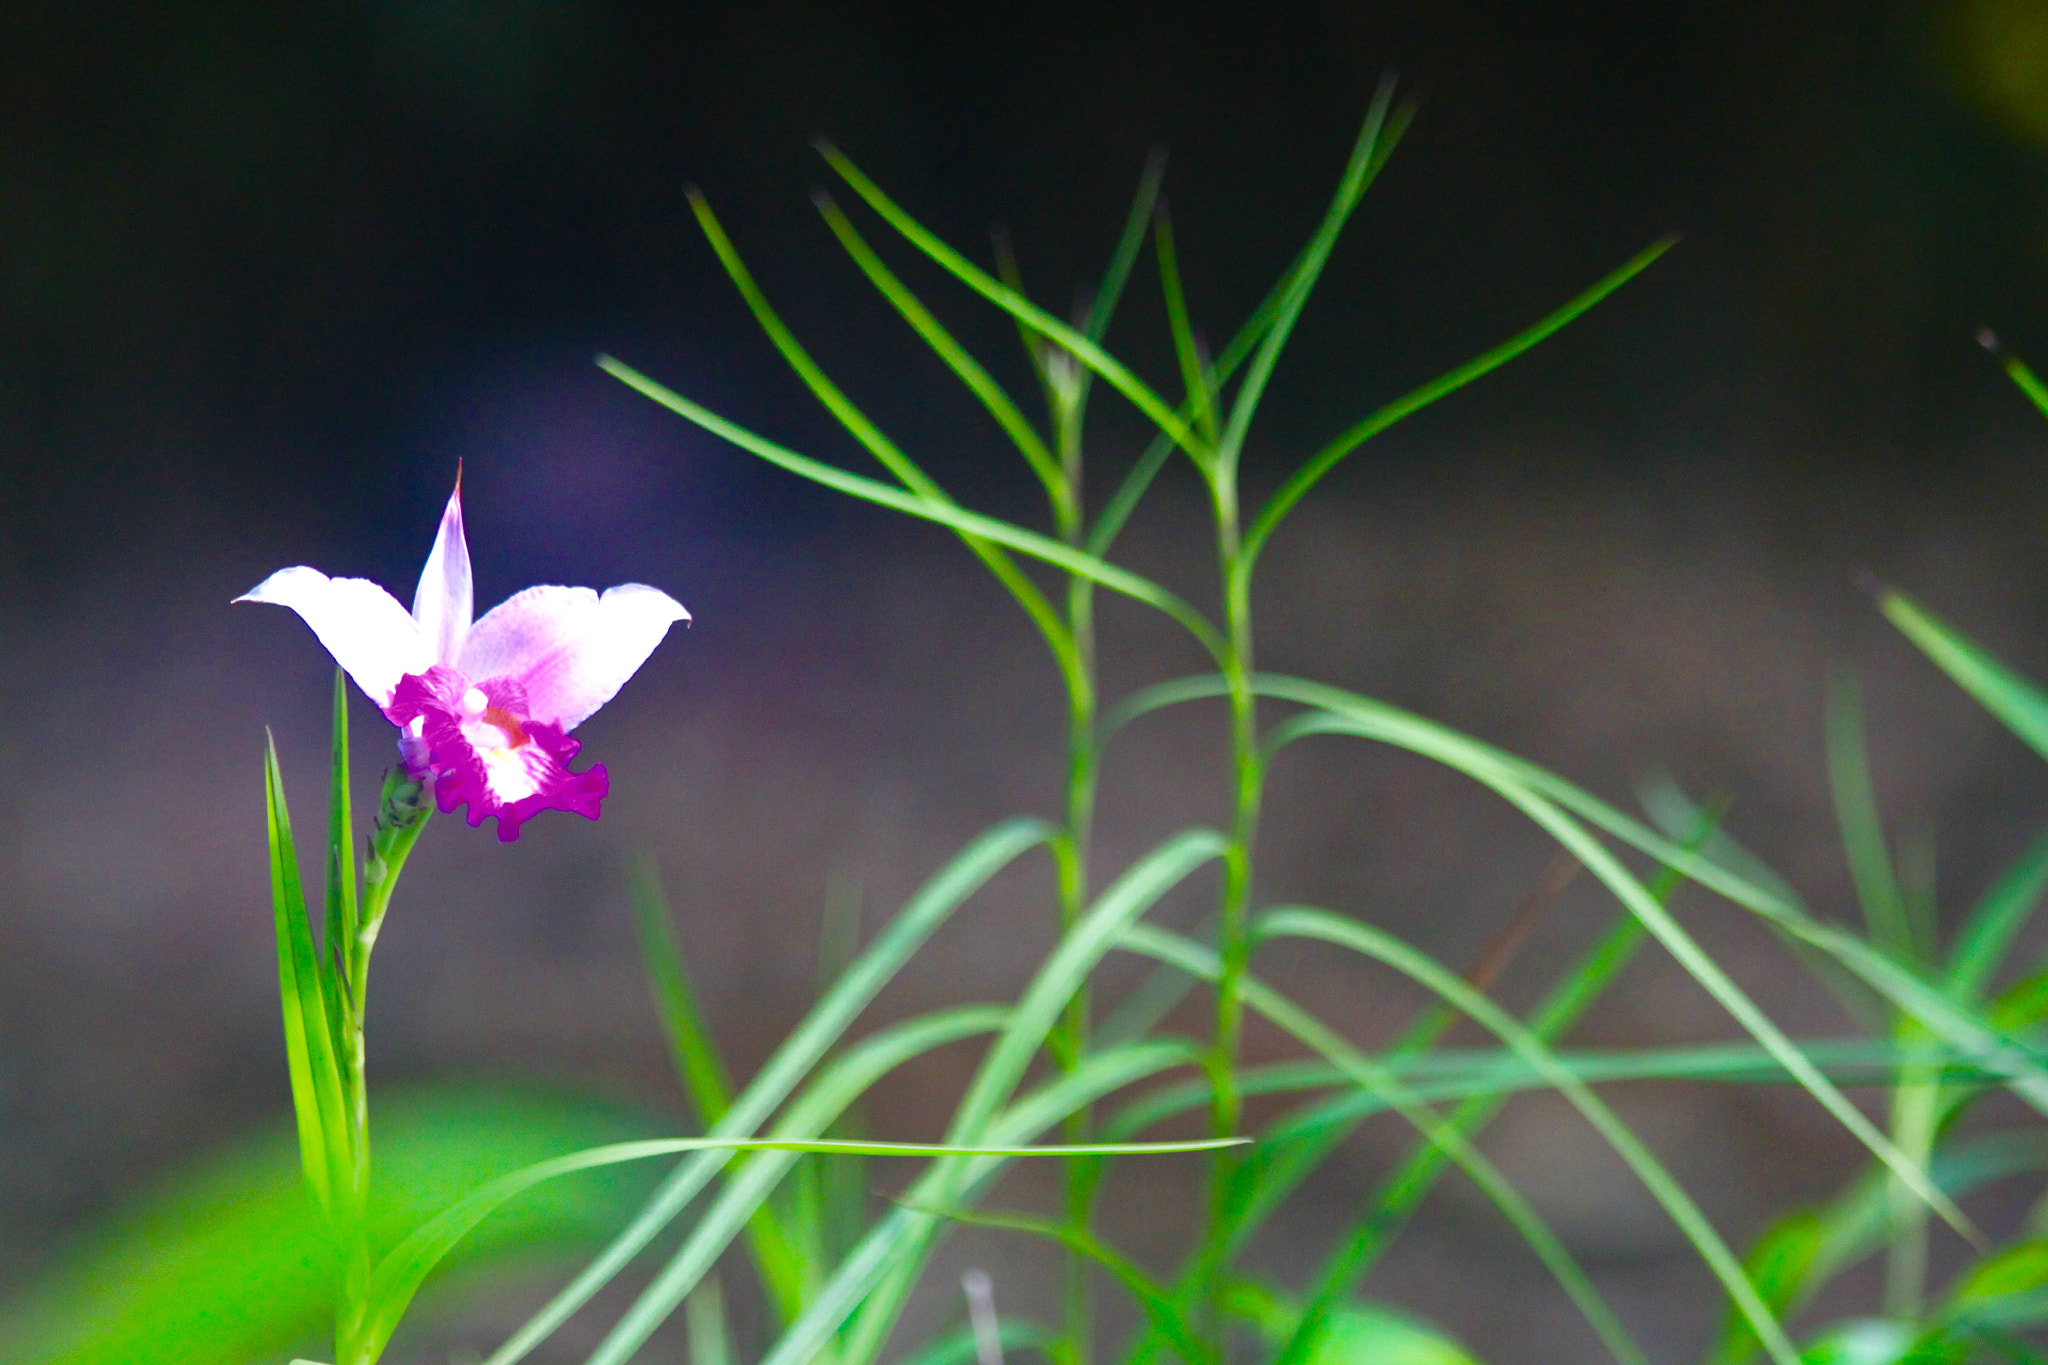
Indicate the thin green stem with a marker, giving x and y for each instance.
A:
(402, 812)
(1233, 915)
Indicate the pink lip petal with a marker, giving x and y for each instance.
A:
(444, 601)
(362, 626)
(520, 780)
(569, 649)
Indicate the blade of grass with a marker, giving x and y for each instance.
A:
(1987, 934)
(1856, 811)
(1375, 142)
(2016, 370)
(341, 919)
(904, 1234)
(1368, 1073)
(870, 436)
(1960, 1027)
(960, 878)
(675, 998)
(1999, 690)
(1157, 1304)
(1194, 375)
(704, 1321)
(933, 333)
(1323, 461)
(1696, 962)
(1464, 1073)
(1321, 925)
(946, 514)
(776, 1252)
(1037, 319)
(309, 1048)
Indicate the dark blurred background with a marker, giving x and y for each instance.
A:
(268, 271)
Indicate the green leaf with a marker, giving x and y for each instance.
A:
(870, 436)
(1200, 399)
(2016, 370)
(1988, 933)
(229, 1259)
(342, 909)
(933, 333)
(1308, 922)
(904, 1235)
(1864, 1341)
(1368, 1334)
(1158, 1305)
(1999, 690)
(1023, 1035)
(1778, 1266)
(1009, 300)
(946, 514)
(823, 1027)
(675, 999)
(704, 1319)
(317, 1098)
(1371, 1074)
(1856, 810)
(1323, 461)
(1375, 142)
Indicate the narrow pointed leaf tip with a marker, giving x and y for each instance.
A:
(485, 707)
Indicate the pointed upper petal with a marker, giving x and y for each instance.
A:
(362, 625)
(444, 602)
(570, 649)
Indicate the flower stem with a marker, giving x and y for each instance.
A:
(402, 812)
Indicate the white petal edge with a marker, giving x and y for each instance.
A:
(363, 627)
(569, 648)
(444, 601)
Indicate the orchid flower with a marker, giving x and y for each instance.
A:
(484, 710)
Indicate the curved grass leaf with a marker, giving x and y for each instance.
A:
(871, 437)
(1375, 143)
(1158, 1305)
(1323, 461)
(1010, 301)
(1689, 955)
(1023, 1034)
(317, 1098)
(1987, 934)
(827, 1022)
(903, 1232)
(946, 514)
(1370, 1074)
(1306, 922)
(1959, 1026)
(933, 333)
(1999, 690)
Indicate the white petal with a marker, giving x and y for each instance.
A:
(443, 603)
(362, 625)
(570, 649)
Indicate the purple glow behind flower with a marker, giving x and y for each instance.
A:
(484, 710)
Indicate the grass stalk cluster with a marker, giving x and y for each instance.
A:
(779, 1167)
